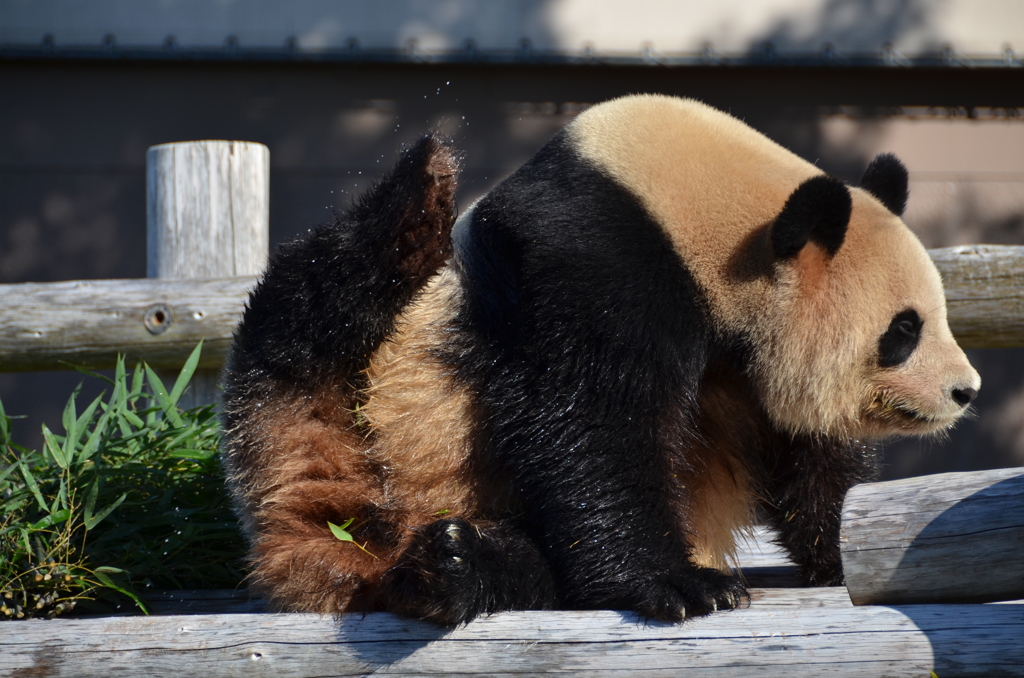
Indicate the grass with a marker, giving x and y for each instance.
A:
(129, 498)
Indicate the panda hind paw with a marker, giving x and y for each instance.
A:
(690, 593)
(454, 571)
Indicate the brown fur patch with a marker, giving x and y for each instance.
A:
(299, 462)
(426, 241)
(715, 496)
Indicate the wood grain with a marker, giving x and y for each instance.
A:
(41, 328)
(90, 322)
(207, 216)
(764, 640)
(207, 209)
(984, 287)
(951, 537)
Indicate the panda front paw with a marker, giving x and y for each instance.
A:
(692, 592)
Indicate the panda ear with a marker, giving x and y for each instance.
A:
(819, 211)
(886, 179)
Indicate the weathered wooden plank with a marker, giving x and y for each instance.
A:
(41, 328)
(89, 322)
(207, 209)
(951, 537)
(984, 287)
(207, 216)
(766, 640)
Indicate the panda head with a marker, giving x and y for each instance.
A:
(837, 306)
(857, 342)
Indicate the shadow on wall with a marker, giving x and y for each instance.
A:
(861, 25)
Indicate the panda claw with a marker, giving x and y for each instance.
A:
(454, 532)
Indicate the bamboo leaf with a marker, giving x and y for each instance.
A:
(101, 574)
(138, 381)
(5, 430)
(160, 392)
(33, 487)
(86, 416)
(93, 521)
(93, 442)
(54, 448)
(53, 519)
(90, 501)
(340, 532)
(70, 417)
(186, 373)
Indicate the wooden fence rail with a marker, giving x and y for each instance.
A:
(45, 326)
(784, 633)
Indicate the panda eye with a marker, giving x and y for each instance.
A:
(900, 340)
(907, 328)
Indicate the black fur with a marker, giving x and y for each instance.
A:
(580, 329)
(454, 572)
(329, 299)
(806, 481)
(900, 340)
(819, 211)
(886, 179)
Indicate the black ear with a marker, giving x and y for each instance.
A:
(886, 179)
(818, 210)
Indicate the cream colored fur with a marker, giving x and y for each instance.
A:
(716, 186)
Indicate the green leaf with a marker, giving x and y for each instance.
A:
(87, 372)
(340, 531)
(33, 487)
(90, 501)
(198, 455)
(5, 424)
(70, 418)
(186, 373)
(73, 425)
(54, 448)
(93, 442)
(86, 416)
(137, 382)
(132, 419)
(52, 519)
(342, 534)
(92, 521)
(101, 574)
(160, 392)
(6, 472)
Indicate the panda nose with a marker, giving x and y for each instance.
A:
(964, 396)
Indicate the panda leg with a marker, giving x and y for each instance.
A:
(455, 570)
(805, 494)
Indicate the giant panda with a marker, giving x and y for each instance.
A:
(661, 330)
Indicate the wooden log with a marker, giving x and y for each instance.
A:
(984, 287)
(90, 322)
(207, 216)
(41, 329)
(951, 537)
(789, 641)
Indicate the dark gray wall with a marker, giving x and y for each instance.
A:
(73, 137)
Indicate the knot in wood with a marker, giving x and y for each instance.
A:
(157, 318)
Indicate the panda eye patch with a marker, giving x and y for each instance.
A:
(900, 340)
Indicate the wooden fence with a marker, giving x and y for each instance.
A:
(207, 230)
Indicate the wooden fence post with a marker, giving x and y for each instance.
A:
(207, 216)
